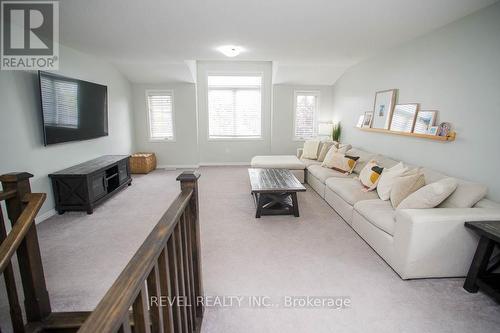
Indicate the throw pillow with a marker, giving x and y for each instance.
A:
(325, 147)
(466, 195)
(387, 179)
(370, 175)
(406, 185)
(311, 149)
(340, 162)
(430, 195)
(343, 148)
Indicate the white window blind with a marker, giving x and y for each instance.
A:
(234, 107)
(60, 102)
(306, 107)
(161, 117)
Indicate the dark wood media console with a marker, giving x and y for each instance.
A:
(83, 186)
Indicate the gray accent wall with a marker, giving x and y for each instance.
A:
(21, 138)
(455, 70)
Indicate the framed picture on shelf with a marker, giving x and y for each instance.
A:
(360, 121)
(403, 117)
(444, 129)
(425, 120)
(367, 119)
(383, 107)
(433, 130)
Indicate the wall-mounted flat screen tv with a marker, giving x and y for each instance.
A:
(72, 109)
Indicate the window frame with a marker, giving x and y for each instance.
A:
(148, 113)
(315, 93)
(239, 138)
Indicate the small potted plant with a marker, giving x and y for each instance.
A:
(336, 132)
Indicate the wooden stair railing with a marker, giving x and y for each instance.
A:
(22, 207)
(162, 282)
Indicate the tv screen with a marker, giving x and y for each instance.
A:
(72, 109)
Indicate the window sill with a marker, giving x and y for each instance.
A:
(235, 139)
(161, 140)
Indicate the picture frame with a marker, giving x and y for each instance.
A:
(433, 130)
(425, 120)
(368, 119)
(444, 129)
(403, 117)
(360, 121)
(383, 107)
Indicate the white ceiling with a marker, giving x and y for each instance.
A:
(312, 41)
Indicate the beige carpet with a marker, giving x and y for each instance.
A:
(317, 254)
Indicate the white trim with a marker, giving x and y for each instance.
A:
(315, 93)
(178, 166)
(235, 73)
(171, 93)
(224, 163)
(42, 217)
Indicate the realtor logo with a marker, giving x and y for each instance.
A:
(30, 35)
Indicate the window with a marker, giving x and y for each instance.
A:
(234, 107)
(306, 107)
(161, 114)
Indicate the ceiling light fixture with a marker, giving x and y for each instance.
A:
(230, 50)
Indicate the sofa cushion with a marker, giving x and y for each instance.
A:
(364, 157)
(311, 148)
(307, 162)
(466, 195)
(290, 162)
(322, 174)
(349, 189)
(324, 147)
(430, 195)
(406, 185)
(387, 179)
(385, 161)
(379, 213)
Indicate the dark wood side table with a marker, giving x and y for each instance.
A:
(481, 272)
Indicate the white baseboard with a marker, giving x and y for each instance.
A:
(223, 163)
(194, 166)
(177, 166)
(42, 217)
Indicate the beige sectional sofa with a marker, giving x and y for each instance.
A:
(416, 243)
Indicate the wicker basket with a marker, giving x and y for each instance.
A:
(142, 162)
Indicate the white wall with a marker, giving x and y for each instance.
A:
(21, 139)
(455, 70)
(283, 113)
(232, 151)
(184, 150)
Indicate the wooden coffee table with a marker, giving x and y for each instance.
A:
(275, 191)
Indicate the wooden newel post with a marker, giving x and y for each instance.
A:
(36, 297)
(189, 181)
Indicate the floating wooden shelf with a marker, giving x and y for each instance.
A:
(450, 137)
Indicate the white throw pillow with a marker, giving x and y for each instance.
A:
(311, 149)
(370, 175)
(430, 195)
(388, 178)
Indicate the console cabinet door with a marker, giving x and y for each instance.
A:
(123, 171)
(98, 186)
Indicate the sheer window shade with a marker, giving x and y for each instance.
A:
(306, 107)
(161, 118)
(234, 107)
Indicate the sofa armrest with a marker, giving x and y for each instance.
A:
(435, 242)
(299, 152)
